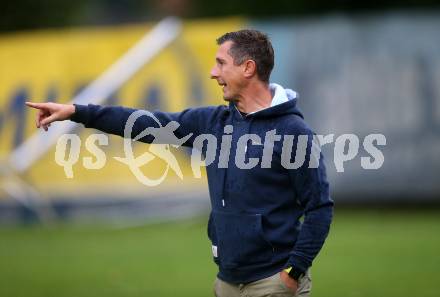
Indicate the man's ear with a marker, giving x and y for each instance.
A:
(250, 68)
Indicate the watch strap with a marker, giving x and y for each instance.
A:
(293, 273)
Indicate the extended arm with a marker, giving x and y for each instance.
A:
(113, 119)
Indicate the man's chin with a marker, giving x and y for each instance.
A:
(229, 98)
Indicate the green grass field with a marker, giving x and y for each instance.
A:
(368, 253)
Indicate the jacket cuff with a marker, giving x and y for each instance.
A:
(298, 264)
(81, 114)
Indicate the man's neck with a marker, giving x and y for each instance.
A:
(255, 97)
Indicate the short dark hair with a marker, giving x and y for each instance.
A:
(253, 45)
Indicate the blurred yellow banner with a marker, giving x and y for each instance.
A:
(57, 64)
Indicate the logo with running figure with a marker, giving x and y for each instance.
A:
(294, 151)
(164, 137)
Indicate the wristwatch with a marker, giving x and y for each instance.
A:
(293, 273)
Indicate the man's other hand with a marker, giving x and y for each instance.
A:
(288, 281)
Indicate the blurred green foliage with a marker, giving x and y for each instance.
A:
(29, 14)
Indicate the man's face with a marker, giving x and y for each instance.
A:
(228, 75)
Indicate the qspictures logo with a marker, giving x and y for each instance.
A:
(294, 151)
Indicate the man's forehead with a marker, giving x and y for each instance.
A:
(226, 45)
(223, 49)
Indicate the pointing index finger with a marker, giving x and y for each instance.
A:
(35, 105)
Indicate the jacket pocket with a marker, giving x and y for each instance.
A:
(241, 241)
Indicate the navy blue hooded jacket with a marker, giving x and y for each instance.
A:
(254, 225)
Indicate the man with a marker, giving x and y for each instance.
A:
(258, 241)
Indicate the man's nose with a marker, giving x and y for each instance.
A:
(214, 72)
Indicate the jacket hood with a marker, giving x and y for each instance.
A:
(284, 101)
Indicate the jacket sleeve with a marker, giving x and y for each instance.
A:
(113, 120)
(312, 193)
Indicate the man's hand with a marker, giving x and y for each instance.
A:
(50, 112)
(288, 281)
